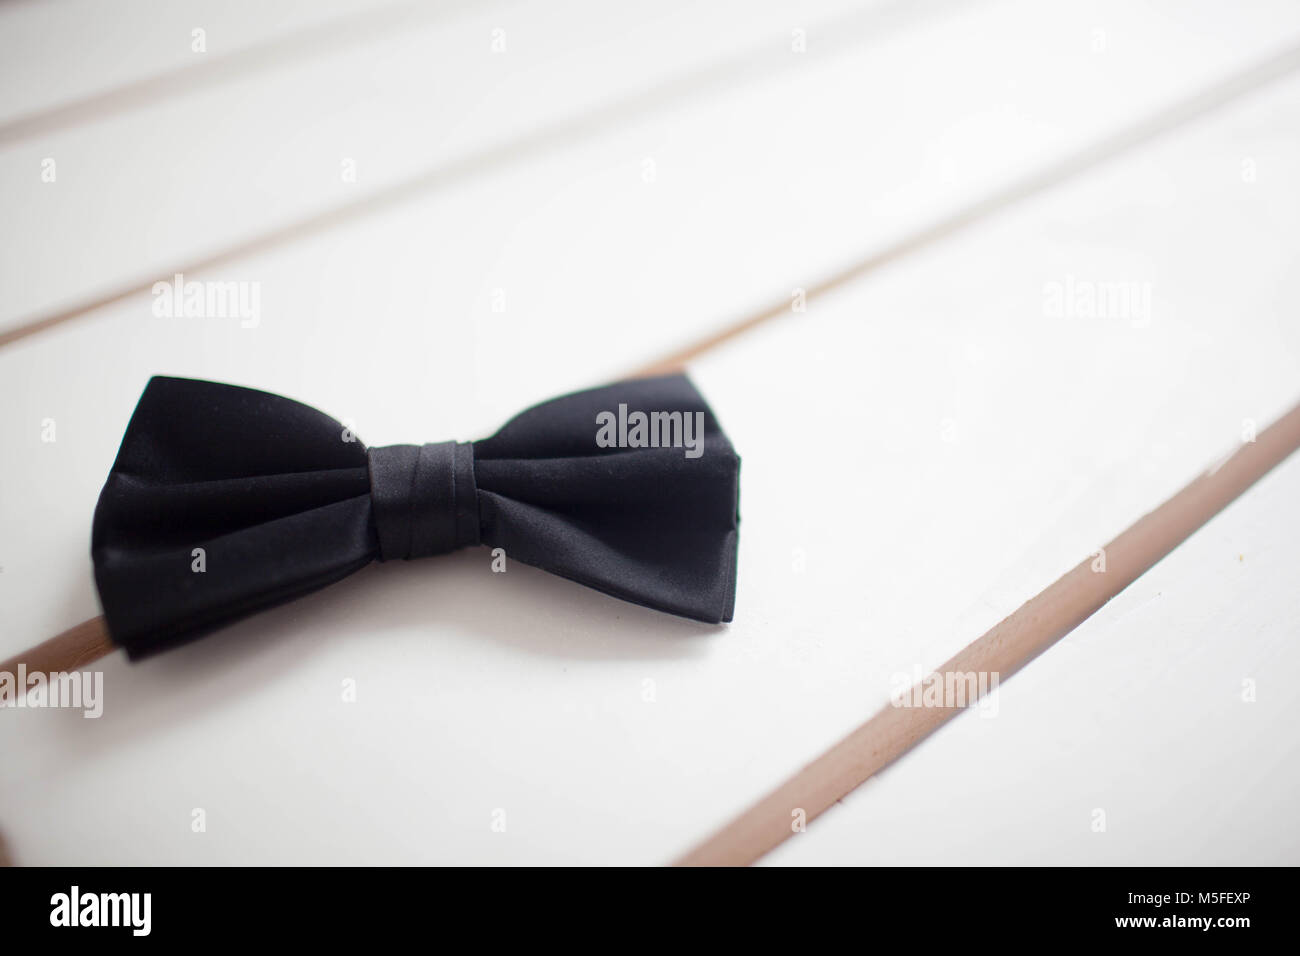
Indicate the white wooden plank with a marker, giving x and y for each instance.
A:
(448, 99)
(481, 692)
(55, 55)
(816, 153)
(1161, 733)
(1063, 430)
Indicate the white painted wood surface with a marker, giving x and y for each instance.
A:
(894, 115)
(1160, 733)
(968, 445)
(53, 56)
(1063, 431)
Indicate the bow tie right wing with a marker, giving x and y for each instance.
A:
(654, 524)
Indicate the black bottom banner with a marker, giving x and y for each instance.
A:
(1168, 907)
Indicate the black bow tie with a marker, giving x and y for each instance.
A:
(225, 501)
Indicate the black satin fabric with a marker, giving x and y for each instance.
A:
(282, 503)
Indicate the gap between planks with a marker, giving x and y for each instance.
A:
(311, 42)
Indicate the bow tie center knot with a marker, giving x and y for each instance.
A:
(424, 498)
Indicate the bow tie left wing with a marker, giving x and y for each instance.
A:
(223, 501)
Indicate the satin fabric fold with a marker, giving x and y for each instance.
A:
(224, 501)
